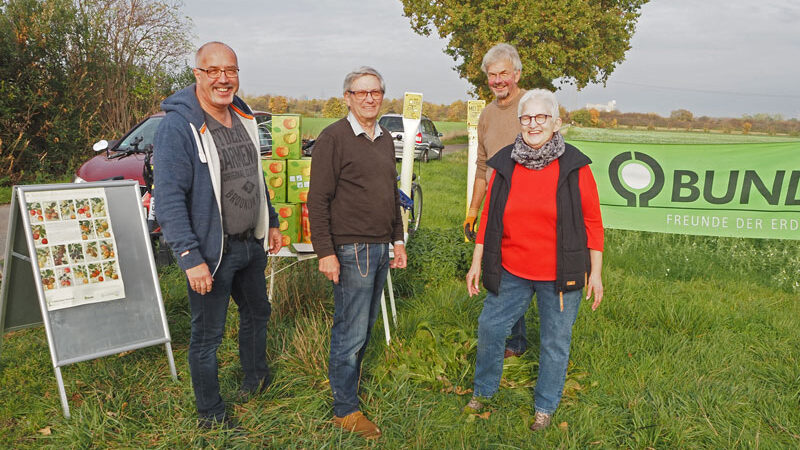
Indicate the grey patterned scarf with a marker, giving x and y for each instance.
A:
(538, 159)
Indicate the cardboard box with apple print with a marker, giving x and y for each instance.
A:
(305, 234)
(289, 222)
(286, 139)
(298, 174)
(275, 175)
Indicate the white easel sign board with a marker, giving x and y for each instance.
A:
(79, 261)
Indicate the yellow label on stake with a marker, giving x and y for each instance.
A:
(474, 108)
(412, 106)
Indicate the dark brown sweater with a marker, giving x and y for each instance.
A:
(353, 194)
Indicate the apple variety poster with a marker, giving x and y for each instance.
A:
(76, 252)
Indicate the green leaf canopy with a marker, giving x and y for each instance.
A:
(577, 41)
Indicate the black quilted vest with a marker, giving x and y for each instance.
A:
(572, 259)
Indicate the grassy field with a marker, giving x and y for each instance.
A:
(452, 128)
(696, 345)
(312, 126)
(669, 136)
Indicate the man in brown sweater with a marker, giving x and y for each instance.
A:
(498, 126)
(354, 210)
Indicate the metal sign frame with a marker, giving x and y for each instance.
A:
(22, 279)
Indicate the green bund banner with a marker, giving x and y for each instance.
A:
(743, 190)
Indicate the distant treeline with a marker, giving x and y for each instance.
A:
(335, 107)
(680, 119)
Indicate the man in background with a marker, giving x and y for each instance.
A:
(498, 126)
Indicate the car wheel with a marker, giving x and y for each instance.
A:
(441, 150)
(425, 158)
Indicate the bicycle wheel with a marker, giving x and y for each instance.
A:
(416, 210)
(161, 251)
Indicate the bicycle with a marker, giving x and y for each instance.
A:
(161, 251)
(412, 204)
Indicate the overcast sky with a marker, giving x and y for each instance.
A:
(714, 57)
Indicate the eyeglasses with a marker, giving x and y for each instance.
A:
(216, 72)
(538, 118)
(362, 95)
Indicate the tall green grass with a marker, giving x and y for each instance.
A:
(695, 346)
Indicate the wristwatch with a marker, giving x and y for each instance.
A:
(399, 242)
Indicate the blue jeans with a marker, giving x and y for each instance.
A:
(518, 341)
(362, 274)
(240, 275)
(555, 333)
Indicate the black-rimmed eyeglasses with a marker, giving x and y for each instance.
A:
(216, 72)
(538, 118)
(376, 94)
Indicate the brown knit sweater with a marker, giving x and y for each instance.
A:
(353, 194)
(498, 126)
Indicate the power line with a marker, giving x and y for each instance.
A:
(705, 91)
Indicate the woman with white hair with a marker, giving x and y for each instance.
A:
(540, 233)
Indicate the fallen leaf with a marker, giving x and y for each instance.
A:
(111, 414)
(462, 391)
(46, 431)
(563, 426)
(484, 415)
(76, 399)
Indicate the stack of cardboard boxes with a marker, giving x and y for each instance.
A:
(288, 177)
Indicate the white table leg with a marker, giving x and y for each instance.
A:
(385, 319)
(271, 278)
(391, 297)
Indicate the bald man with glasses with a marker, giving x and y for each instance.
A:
(216, 216)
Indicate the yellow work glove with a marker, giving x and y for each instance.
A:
(469, 225)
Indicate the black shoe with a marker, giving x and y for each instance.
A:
(226, 423)
(244, 394)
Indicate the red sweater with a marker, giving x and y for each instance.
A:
(529, 220)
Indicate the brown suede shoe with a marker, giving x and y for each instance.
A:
(510, 354)
(358, 423)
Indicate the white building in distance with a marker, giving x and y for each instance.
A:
(608, 107)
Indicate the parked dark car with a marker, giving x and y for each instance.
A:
(428, 144)
(119, 158)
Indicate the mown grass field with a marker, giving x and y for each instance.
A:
(313, 126)
(696, 345)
